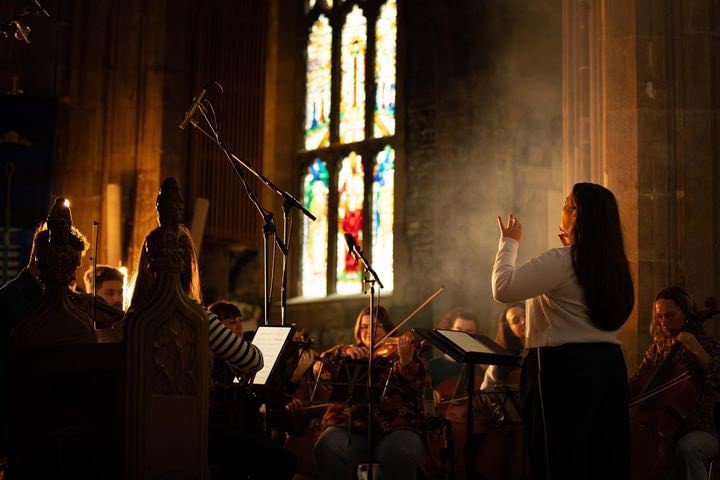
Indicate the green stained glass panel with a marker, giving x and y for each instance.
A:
(352, 82)
(317, 85)
(351, 193)
(316, 187)
(385, 70)
(383, 210)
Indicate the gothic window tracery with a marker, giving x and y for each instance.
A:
(348, 161)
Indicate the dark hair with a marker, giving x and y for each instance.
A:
(225, 310)
(382, 316)
(447, 320)
(465, 315)
(598, 257)
(103, 273)
(505, 336)
(189, 276)
(683, 301)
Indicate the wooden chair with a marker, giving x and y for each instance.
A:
(133, 410)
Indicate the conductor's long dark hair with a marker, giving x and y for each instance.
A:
(599, 257)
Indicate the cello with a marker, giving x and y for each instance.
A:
(668, 397)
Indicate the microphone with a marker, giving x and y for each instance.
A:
(352, 246)
(39, 10)
(194, 106)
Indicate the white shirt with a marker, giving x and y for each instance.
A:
(555, 311)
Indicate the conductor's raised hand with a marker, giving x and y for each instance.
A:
(513, 228)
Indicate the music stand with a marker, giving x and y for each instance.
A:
(470, 350)
(351, 375)
(272, 341)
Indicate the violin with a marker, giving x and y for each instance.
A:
(105, 315)
(389, 347)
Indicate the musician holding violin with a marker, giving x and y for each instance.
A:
(675, 324)
(401, 376)
(109, 293)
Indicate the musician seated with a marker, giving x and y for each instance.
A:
(223, 373)
(229, 397)
(18, 298)
(397, 414)
(511, 336)
(108, 290)
(696, 442)
(444, 368)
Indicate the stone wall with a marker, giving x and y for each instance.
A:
(121, 74)
(678, 64)
(479, 133)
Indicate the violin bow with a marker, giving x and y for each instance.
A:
(412, 314)
(96, 234)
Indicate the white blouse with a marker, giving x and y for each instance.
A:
(555, 310)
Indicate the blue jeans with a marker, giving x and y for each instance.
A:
(691, 452)
(336, 453)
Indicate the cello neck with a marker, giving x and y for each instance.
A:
(661, 371)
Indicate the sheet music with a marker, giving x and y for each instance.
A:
(464, 341)
(270, 341)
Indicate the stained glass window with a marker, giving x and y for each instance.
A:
(351, 192)
(385, 70)
(383, 202)
(316, 188)
(318, 79)
(333, 182)
(352, 82)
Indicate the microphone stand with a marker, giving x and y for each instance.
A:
(268, 228)
(370, 277)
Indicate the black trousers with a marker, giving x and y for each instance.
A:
(574, 400)
(237, 455)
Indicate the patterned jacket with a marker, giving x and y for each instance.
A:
(703, 417)
(401, 388)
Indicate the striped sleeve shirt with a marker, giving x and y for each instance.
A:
(224, 344)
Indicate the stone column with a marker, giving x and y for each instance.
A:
(600, 115)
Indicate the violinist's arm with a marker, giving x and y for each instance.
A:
(490, 380)
(405, 349)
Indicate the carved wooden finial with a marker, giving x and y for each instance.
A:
(57, 320)
(61, 255)
(167, 247)
(59, 221)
